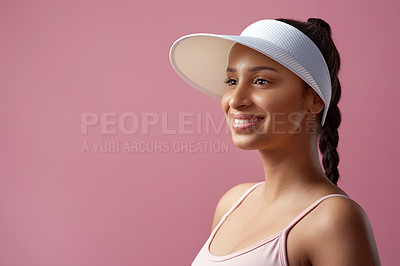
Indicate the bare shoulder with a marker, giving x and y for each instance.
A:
(341, 234)
(228, 199)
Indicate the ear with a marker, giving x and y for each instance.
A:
(314, 102)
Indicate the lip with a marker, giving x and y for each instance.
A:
(246, 121)
(245, 116)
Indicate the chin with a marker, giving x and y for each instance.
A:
(246, 144)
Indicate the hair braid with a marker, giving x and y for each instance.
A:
(329, 137)
(320, 33)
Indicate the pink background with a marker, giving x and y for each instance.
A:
(60, 59)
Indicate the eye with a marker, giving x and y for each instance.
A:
(230, 82)
(261, 81)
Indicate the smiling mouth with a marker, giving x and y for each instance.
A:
(240, 124)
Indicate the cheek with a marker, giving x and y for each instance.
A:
(272, 103)
(283, 103)
(225, 102)
(289, 112)
(283, 110)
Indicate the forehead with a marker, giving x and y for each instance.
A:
(243, 54)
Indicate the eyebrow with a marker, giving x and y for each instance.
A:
(257, 68)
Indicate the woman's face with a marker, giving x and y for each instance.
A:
(265, 103)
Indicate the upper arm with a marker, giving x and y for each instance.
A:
(228, 200)
(342, 235)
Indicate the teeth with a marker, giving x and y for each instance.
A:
(243, 121)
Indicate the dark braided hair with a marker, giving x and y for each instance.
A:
(320, 33)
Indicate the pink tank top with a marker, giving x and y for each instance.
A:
(270, 251)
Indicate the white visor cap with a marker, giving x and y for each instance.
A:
(201, 59)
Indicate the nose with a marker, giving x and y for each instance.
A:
(240, 97)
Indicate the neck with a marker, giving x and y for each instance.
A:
(293, 168)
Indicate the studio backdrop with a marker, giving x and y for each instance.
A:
(109, 158)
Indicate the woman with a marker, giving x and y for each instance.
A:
(280, 97)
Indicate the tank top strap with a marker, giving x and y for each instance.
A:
(238, 202)
(309, 209)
